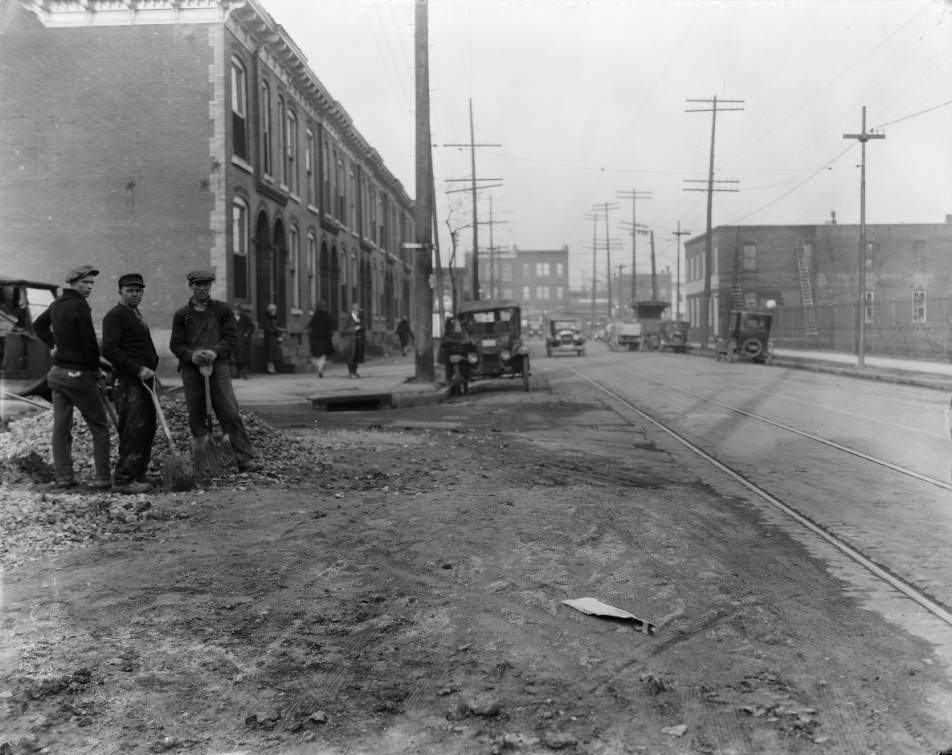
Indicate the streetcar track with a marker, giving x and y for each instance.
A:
(816, 438)
(849, 551)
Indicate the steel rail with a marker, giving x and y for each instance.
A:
(817, 438)
(854, 555)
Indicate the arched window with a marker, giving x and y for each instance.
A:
(310, 175)
(283, 143)
(291, 153)
(239, 109)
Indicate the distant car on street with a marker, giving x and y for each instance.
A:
(563, 335)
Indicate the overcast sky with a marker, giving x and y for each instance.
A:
(589, 99)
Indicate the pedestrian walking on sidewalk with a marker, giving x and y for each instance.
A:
(204, 333)
(241, 358)
(75, 378)
(272, 338)
(404, 334)
(353, 337)
(127, 344)
(320, 331)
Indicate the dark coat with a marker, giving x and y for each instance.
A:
(71, 320)
(272, 338)
(246, 334)
(127, 342)
(404, 333)
(214, 329)
(352, 339)
(319, 331)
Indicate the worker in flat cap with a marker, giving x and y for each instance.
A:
(127, 344)
(204, 333)
(66, 327)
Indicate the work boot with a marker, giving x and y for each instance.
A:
(65, 484)
(250, 465)
(100, 485)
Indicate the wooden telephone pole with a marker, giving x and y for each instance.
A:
(708, 257)
(473, 188)
(677, 296)
(863, 137)
(423, 248)
(634, 195)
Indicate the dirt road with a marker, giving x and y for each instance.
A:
(403, 594)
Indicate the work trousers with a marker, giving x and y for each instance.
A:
(137, 423)
(224, 404)
(77, 388)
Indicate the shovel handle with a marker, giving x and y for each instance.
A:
(206, 371)
(158, 411)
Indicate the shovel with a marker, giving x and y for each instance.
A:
(218, 444)
(176, 469)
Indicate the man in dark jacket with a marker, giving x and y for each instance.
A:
(66, 327)
(204, 333)
(127, 344)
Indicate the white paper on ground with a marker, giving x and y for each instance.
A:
(595, 607)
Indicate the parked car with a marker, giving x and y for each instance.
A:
(22, 355)
(674, 335)
(747, 337)
(563, 335)
(495, 328)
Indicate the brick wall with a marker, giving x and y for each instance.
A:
(104, 156)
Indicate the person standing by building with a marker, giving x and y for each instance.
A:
(353, 337)
(272, 338)
(241, 358)
(320, 330)
(204, 333)
(66, 327)
(127, 344)
(405, 334)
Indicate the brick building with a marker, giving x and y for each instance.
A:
(811, 273)
(160, 136)
(537, 278)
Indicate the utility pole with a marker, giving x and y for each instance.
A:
(863, 137)
(706, 303)
(424, 201)
(654, 275)
(594, 219)
(472, 160)
(621, 297)
(677, 296)
(634, 195)
(605, 207)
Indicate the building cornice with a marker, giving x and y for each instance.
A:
(81, 13)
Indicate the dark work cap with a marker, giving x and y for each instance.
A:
(131, 279)
(200, 275)
(80, 271)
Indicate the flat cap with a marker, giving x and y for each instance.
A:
(200, 275)
(131, 279)
(80, 271)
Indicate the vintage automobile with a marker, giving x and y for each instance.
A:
(622, 335)
(748, 337)
(674, 335)
(563, 335)
(495, 328)
(22, 355)
(534, 330)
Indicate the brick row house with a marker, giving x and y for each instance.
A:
(811, 274)
(161, 136)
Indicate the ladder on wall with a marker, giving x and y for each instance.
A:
(806, 292)
(737, 296)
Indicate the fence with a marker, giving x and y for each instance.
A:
(890, 330)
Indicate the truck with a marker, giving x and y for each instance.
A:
(623, 335)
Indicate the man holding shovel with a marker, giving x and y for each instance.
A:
(127, 344)
(203, 336)
(67, 329)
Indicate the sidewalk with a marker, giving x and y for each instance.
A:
(384, 383)
(907, 371)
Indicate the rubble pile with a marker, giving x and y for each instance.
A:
(37, 520)
(25, 448)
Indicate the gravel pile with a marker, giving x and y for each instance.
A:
(38, 520)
